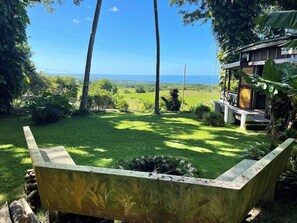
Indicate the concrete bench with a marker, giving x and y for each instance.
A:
(231, 113)
(150, 197)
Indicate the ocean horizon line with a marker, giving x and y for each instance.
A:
(190, 79)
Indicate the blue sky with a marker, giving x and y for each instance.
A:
(125, 40)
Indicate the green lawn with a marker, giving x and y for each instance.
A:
(102, 139)
(192, 97)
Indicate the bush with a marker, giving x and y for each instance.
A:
(201, 111)
(258, 150)
(147, 105)
(140, 89)
(101, 101)
(159, 164)
(291, 133)
(172, 104)
(122, 105)
(127, 91)
(49, 108)
(214, 119)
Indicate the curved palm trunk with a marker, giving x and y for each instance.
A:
(157, 87)
(85, 91)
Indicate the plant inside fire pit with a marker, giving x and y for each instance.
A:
(159, 164)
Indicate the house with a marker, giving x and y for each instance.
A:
(237, 95)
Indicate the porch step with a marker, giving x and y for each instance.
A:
(255, 126)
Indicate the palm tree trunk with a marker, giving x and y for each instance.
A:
(85, 91)
(157, 87)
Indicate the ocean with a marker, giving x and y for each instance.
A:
(172, 79)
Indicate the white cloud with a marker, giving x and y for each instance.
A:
(88, 19)
(114, 9)
(75, 21)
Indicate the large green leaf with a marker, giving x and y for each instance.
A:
(271, 71)
(291, 44)
(279, 19)
(287, 71)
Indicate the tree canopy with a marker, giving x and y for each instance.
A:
(15, 53)
(232, 20)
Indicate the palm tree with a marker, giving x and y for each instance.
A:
(157, 87)
(85, 91)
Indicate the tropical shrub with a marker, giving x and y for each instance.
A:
(122, 104)
(101, 101)
(63, 85)
(147, 105)
(159, 164)
(49, 108)
(214, 119)
(291, 133)
(140, 89)
(258, 150)
(172, 104)
(201, 111)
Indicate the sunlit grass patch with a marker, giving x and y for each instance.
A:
(103, 139)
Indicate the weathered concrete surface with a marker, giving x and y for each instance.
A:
(132, 196)
(235, 171)
(143, 197)
(56, 155)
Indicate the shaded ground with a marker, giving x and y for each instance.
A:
(102, 139)
(282, 210)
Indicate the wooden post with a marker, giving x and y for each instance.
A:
(225, 86)
(184, 81)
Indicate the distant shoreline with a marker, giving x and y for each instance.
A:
(150, 79)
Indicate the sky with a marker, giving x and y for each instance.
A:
(125, 41)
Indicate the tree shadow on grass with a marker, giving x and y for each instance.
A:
(14, 159)
(101, 140)
(104, 139)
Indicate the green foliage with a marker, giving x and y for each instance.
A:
(140, 89)
(66, 86)
(106, 84)
(232, 21)
(39, 83)
(159, 164)
(147, 105)
(172, 104)
(201, 111)
(279, 19)
(103, 85)
(15, 53)
(278, 85)
(291, 133)
(49, 108)
(122, 104)
(214, 119)
(258, 150)
(101, 101)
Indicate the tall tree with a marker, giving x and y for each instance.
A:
(157, 87)
(14, 51)
(85, 91)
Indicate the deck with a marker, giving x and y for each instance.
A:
(245, 116)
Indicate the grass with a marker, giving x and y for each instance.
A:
(101, 140)
(192, 97)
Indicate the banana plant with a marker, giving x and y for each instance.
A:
(277, 82)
